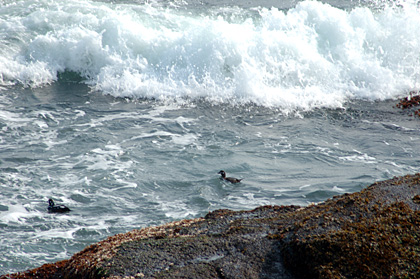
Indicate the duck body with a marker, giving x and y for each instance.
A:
(56, 208)
(230, 179)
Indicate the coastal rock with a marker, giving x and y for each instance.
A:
(373, 233)
(413, 100)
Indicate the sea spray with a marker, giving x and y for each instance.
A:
(312, 55)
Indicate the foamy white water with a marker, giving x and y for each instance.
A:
(312, 55)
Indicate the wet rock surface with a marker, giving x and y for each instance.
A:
(374, 233)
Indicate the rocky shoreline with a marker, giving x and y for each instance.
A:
(374, 233)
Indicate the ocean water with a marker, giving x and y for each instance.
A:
(125, 111)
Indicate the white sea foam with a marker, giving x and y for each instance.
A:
(311, 55)
(16, 213)
(175, 209)
(248, 200)
(359, 157)
(13, 120)
(55, 233)
(184, 139)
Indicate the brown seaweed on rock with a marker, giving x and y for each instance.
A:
(411, 101)
(378, 236)
(385, 246)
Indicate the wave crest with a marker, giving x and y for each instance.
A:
(309, 56)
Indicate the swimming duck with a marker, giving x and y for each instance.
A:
(59, 208)
(230, 179)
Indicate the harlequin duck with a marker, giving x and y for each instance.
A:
(59, 208)
(230, 179)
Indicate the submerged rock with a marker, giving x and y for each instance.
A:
(373, 233)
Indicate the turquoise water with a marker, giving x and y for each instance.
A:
(125, 113)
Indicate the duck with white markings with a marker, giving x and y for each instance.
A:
(230, 179)
(57, 208)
